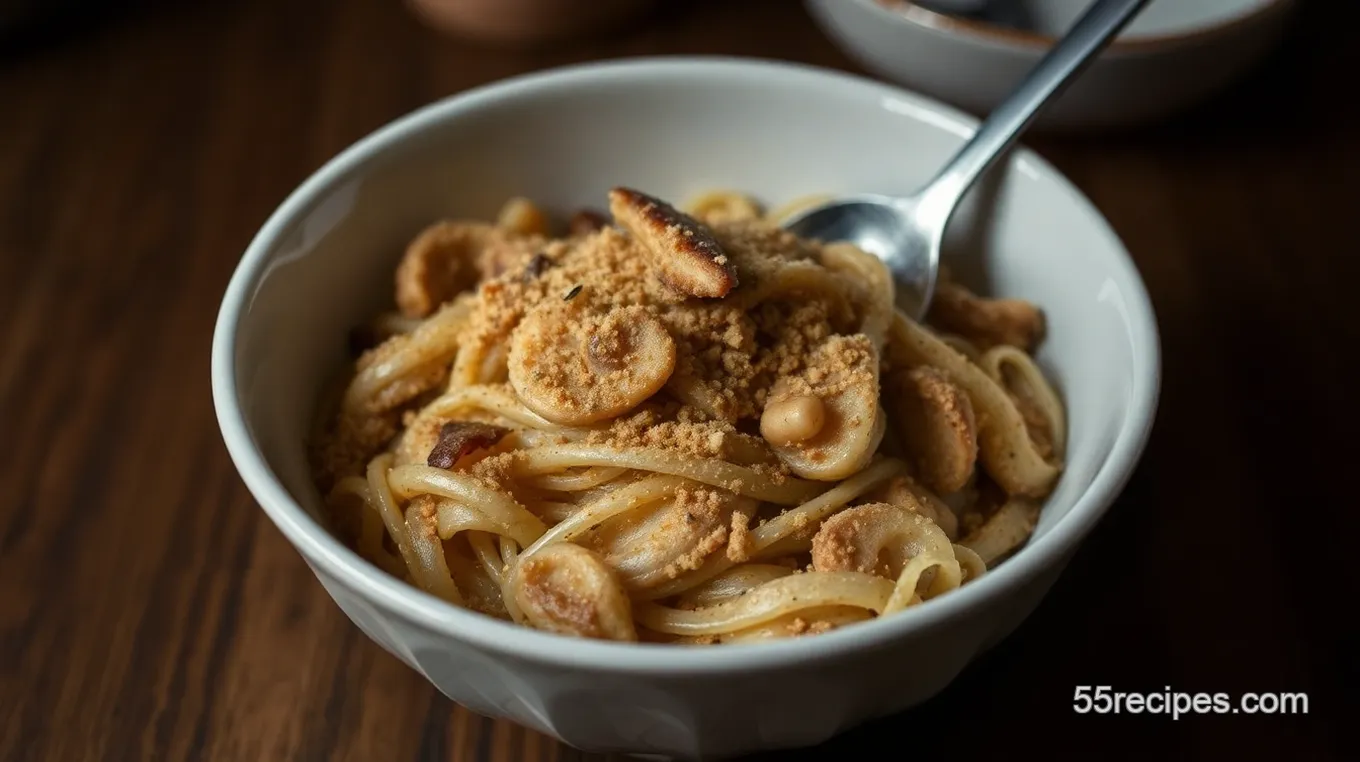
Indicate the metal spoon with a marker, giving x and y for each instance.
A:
(906, 233)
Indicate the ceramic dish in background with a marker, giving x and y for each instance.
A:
(323, 262)
(525, 22)
(1175, 54)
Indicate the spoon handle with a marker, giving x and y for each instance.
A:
(1092, 32)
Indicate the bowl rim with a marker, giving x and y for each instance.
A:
(953, 27)
(328, 554)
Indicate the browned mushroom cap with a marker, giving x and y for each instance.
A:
(843, 374)
(567, 589)
(687, 256)
(935, 420)
(574, 368)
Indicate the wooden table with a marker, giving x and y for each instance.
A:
(149, 610)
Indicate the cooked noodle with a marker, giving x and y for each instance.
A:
(683, 428)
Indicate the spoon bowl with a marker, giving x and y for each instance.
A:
(887, 228)
(906, 233)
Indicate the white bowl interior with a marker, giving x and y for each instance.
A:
(674, 129)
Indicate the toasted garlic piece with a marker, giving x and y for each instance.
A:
(880, 539)
(796, 419)
(520, 215)
(936, 421)
(576, 369)
(687, 256)
(843, 374)
(567, 589)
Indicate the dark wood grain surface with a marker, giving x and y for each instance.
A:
(150, 611)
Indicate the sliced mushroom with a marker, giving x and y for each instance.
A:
(986, 322)
(575, 368)
(439, 263)
(567, 589)
(877, 538)
(904, 492)
(935, 420)
(842, 374)
(449, 257)
(657, 544)
(687, 256)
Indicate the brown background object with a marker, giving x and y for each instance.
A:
(525, 22)
(150, 611)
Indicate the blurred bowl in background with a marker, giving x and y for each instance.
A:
(1175, 54)
(521, 22)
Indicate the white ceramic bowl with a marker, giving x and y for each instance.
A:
(1174, 54)
(323, 262)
